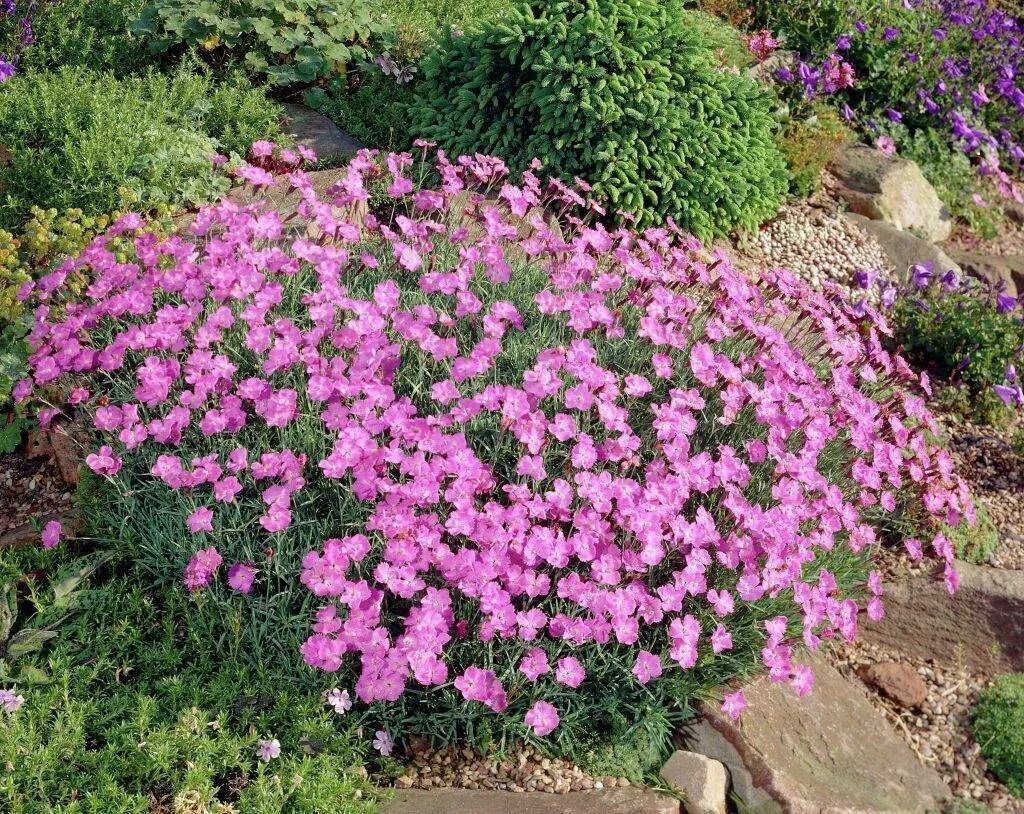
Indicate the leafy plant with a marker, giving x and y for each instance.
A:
(21, 643)
(955, 331)
(139, 714)
(809, 145)
(974, 543)
(289, 41)
(89, 140)
(12, 428)
(621, 93)
(998, 724)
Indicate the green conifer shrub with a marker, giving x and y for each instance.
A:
(625, 94)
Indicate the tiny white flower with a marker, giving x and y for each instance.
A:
(340, 700)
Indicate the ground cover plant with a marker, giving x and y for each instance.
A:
(88, 140)
(963, 333)
(499, 480)
(624, 94)
(999, 729)
(44, 35)
(130, 708)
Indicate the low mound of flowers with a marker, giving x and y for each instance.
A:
(481, 457)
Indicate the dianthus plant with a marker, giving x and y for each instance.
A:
(501, 469)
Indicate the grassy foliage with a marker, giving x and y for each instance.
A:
(82, 139)
(622, 93)
(999, 730)
(143, 712)
(82, 33)
(808, 146)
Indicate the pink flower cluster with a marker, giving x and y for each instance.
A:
(561, 435)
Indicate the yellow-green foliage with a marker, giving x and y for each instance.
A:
(808, 146)
(625, 94)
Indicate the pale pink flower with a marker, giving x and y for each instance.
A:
(734, 703)
(542, 718)
(267, 750)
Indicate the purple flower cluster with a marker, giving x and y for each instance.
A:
(25, 36)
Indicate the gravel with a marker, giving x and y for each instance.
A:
(818, 245)
(1009, 242)
(29, 488)
(520, 769)
(994, 470)
(940, 732)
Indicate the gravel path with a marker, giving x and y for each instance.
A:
(29, 488)
(940, 731)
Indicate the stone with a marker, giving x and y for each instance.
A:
(903, 249)
(66, 446)
(630, 800)
(26, 535)
(37, 444)
(980, 627)
(898, 682)
(702, 781)
(1007, 271)
(315, 131)
(1014, 211)
(890, 189)
(831, 752)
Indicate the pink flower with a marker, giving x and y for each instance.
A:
(241, 576)
(802, 680)
(104, 461)
(201, 568)
(885, 145)
(200, 520)
(10, 701)
(734, 703)
(51, 534)
(262, 149)
(570, 672)
(647, 667)
(383, 742)
(267, 750)
(534, 664)
(542, 718)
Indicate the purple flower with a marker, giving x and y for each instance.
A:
(893, 115)
(921, 274)
(950, 280)
(844, 42)
(1010, 395)
(7, 6)
(1005, 303)
(939, 34)
(865, 279)
(6, 70)
(1011, 373)
(889, 296)
(891, 33)
(861, 26)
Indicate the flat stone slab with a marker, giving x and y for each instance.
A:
(630, 800)
(318, 133)
(1007, 270)
(903, 249)
(71, 521)
(831, 752)
(981, 626)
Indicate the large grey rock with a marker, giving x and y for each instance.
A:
(890, 189)
(702, 781)
(831, 752)
(1006, 270)
(629, 800)
(319, 134)
(981, 627)
(903, 248)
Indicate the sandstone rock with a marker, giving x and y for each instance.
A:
(631, 800)
(702, 781)
(897, 682)
(829, 753)
(981, 627)
(66, 447)
(318, 133)
(994, 269)
(890, 189)
(902, 248)
(37, 444)
(1014, 211)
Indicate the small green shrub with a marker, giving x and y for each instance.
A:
(288, 41)
(83, 33)
(83, 139)
(374, 112)
(140, 715)
(622, 93)
(974, 544)
(959, 336)
(808, 146)
(999, 730)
